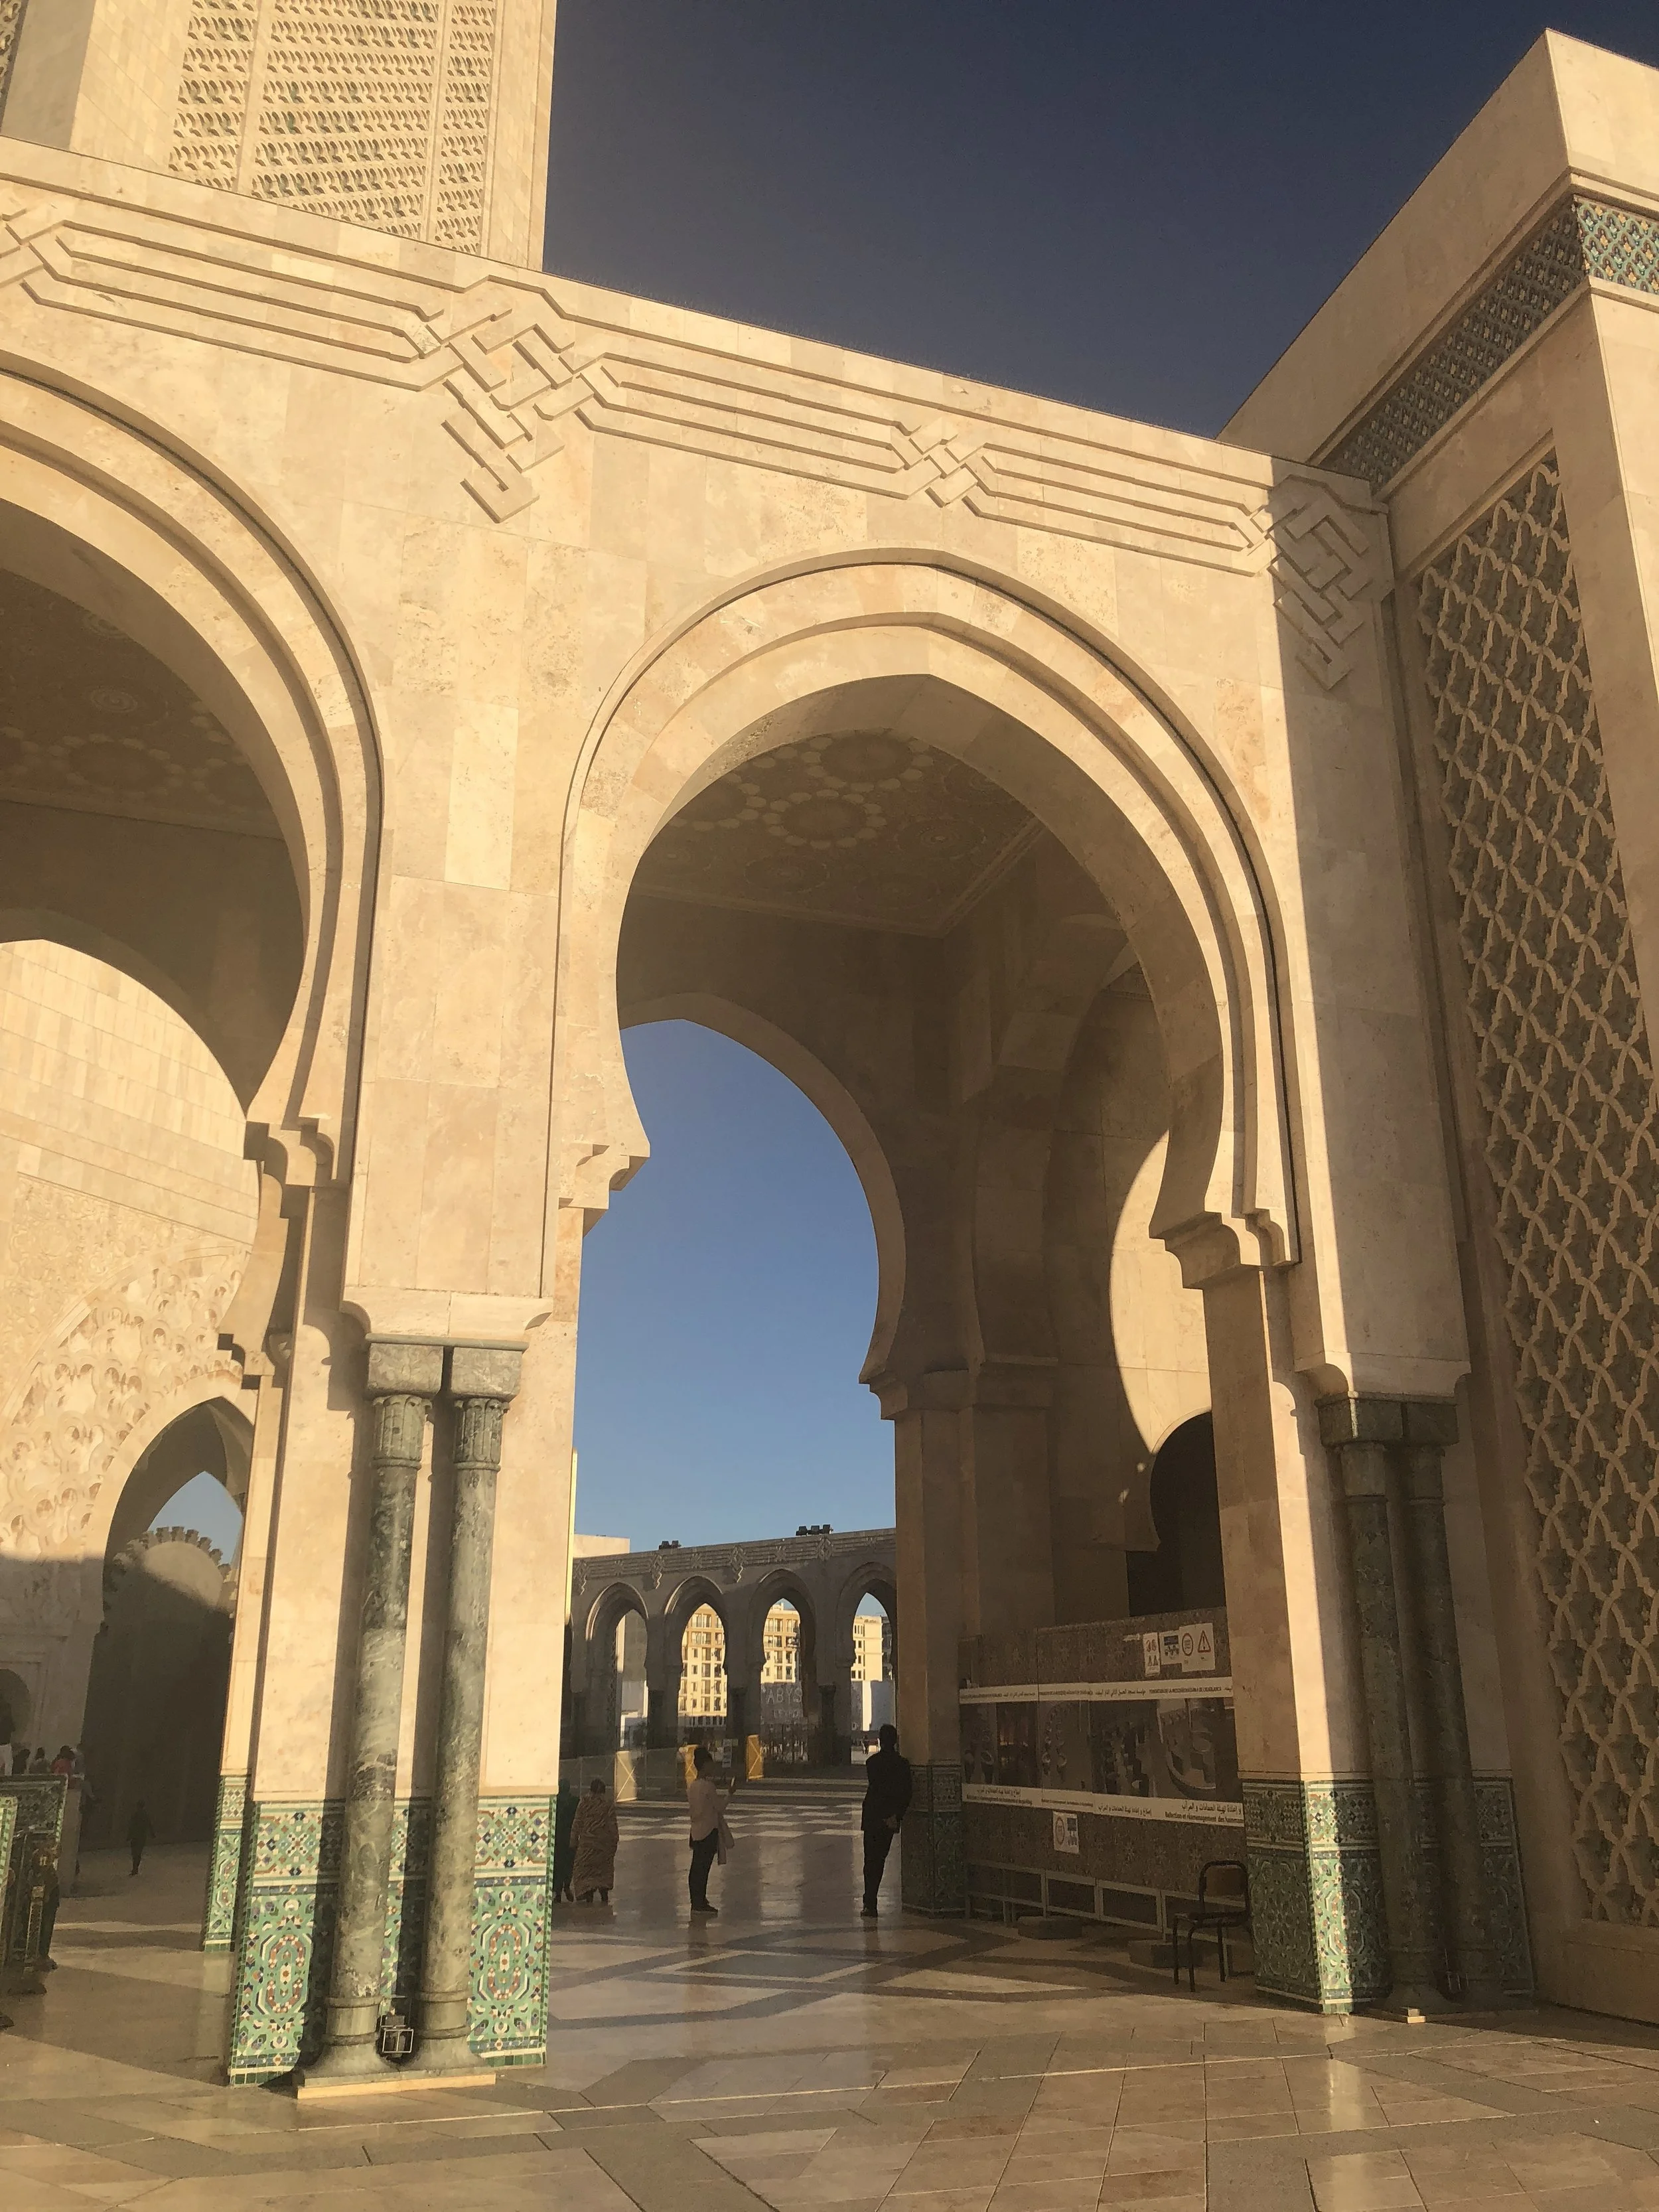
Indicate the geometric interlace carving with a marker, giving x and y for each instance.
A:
(373, 112)
(1566, 1078)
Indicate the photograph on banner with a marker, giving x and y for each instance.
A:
(1171, 1753)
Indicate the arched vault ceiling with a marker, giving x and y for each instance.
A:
(89, 721)
(866, 827)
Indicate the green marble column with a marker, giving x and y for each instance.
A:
(1360, 1432)
(1450, 1771)
(481, 1381)
(403, 1378)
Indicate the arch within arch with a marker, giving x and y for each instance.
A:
(980, 675)
(839, 1109)
(107, 518)
(122, 1366)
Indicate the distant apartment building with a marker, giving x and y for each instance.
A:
(872, 1673)
(702, 1675)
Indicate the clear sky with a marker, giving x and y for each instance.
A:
(1133, 207)
(727, 1307)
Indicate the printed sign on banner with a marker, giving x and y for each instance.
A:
(1065, 1835)
(1198, 1648)
(1152, 1652)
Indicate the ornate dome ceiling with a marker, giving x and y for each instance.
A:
(89, 721)
(867, 827)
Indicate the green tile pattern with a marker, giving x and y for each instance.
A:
(933, 1863)
(1505, 1900)
(36, 1814)
(284, 1933)
(224, 1868)
(284, 1926)
(1320, 1931)
(1580, 240)
(510, 1903)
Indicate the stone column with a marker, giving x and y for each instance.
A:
(1429, 1429)
(1360, 1432)
(481, 1381)
(927, 1424)
(403, 1378)
(1007, 1547)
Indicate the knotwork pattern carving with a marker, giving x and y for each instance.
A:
(142, 1343)
(1565, 1074)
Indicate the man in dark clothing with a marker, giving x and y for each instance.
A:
(886, 1800)
(140, 1829)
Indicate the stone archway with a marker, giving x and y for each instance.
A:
(1126, 803)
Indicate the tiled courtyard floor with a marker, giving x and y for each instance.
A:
(788, 2055)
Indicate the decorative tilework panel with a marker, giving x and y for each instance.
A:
(224, 1866)
(508, 2024)
(1316, 1893)
(8, 1883)
(933, 1861)
(285, 1931)
(285, 1936)
(1564, 1072)
(37, 1820)
(1581, 240)
(405, 1905)
(1505, 1898)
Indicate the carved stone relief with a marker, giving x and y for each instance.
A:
(147, 1338)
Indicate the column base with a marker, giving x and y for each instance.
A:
(344, 2069)
(390, 2081)
(934, 1875)
(1320, 1930)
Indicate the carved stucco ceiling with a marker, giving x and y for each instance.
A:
(867, 827)
(91, 721)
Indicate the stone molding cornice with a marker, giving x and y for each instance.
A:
(1583, 240)
(522, 361)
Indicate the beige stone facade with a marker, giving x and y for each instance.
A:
(1152, 854)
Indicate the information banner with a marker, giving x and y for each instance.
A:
(1114, 1748)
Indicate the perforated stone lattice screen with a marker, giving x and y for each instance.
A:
(1565, 1076)
(374, 112)
(11, 19)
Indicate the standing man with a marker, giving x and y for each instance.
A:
(886, 1801)
(140, 1829)
(710, 1837)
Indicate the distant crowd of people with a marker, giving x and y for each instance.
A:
(18, 1759)
(586, 1835)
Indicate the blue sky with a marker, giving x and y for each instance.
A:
(1133, 207)
(726, 1306)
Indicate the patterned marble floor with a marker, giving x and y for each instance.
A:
(787, 2055)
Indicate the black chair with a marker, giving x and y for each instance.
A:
(1224, 1903)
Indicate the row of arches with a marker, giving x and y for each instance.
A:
(777, 1658)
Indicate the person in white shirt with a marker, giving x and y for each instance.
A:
(710, 1837)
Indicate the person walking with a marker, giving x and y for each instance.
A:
(565, 1808)
(594, 1837)
(140, 1830)
(886, 1801)
(710, 1837)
